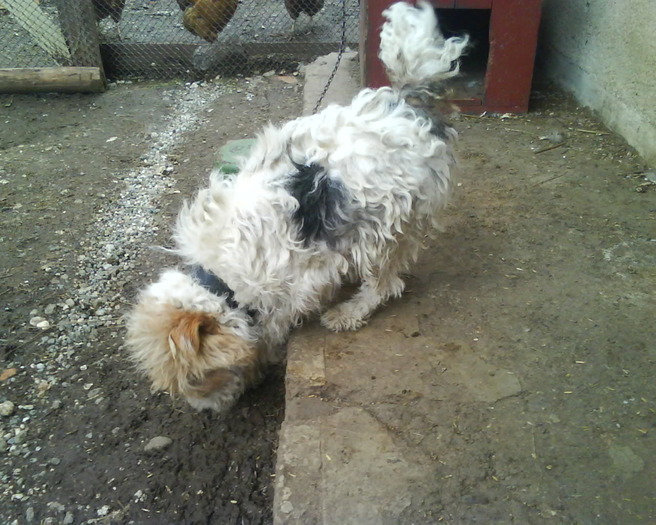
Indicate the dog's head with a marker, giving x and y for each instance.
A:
(190, 343)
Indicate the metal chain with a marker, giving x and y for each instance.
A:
(342, 48)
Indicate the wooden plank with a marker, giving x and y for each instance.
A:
(295, 49)
(52, 79)
(162, 60)
(41, 27)
(147, 60)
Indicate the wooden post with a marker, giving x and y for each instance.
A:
(80, 27)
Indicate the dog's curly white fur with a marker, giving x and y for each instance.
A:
(348, 193)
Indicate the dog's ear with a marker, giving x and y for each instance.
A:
(189, 328)
(209, 366)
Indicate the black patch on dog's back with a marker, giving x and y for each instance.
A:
(321, 202)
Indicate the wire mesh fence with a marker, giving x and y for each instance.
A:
(173, 38)
(49, 33)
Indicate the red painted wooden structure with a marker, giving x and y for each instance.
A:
(512, 38)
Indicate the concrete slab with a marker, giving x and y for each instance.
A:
(343, 87)
(342, 457)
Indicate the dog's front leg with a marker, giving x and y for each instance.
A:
(353, 314)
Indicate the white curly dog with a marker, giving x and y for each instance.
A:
(346, 194)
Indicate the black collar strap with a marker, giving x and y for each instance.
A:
(214, 284)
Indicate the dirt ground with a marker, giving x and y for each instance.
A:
(89, 183)
(549, 276)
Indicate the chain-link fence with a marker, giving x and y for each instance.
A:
(173, 38)
(48, 33)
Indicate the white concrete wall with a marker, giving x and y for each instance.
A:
(604, 52)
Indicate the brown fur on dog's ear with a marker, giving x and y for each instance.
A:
(188, 330)
(212, 367)
(191, 354)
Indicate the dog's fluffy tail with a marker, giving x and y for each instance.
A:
(413, 49)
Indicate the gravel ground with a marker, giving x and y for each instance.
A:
(89, 185)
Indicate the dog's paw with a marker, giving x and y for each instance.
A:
(339, 319)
